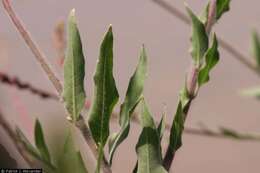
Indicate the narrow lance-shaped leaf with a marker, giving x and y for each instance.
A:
(47, 166)
(256, 48)
(132, 98)
(177, 129)
(27, 144)
(40, 142)
(70, 159)
(212, 58)
(199, 38)
(222, 7)
(148, 146)
(105, 93)
(74, 71)
(161, 126)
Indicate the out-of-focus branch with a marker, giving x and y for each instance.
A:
(192, 131)
(41, 58)
(19, 146)
(225, 45)
(16, 82)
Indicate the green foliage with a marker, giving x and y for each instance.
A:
(148, 146)
(40, 142)
(223, 6)
(74, 71)
(70, 159)
(177, 129)
(105, 95)
(212, 58)
(161, 127)
(256, 47)
(40, 152)
(199, 38)
(132, 98)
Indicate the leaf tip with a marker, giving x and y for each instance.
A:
(72, 12)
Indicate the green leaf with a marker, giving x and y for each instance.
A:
(47, 166)
(204, 16)
(212, 58)
(222, 7)
(70, 159)
(40, 142)
(105, 94)
(27, 144)
(148, 146)
(161, 126)
(132, 98)
(199, 38)
(74, 71)
(256, 47)
(177, 129)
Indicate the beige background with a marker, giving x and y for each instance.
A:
(167, 42)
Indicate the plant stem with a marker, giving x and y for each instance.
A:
(19, 146)
(41, 58)
(191, 84)
(225, 45)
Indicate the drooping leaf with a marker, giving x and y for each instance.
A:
(212, 58)
(74, 71)
(132, 98)
(256, 47)
(40, 142)
(148, 146)
(199, 38)
(222, 7)
(70, 159)
(177, 129)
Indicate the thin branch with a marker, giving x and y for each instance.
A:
(4, 78)
(19, 146)
(16, 82)
(225, 45)
(42, 60)
(40, 57)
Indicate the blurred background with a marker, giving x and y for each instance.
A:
(166, 38)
